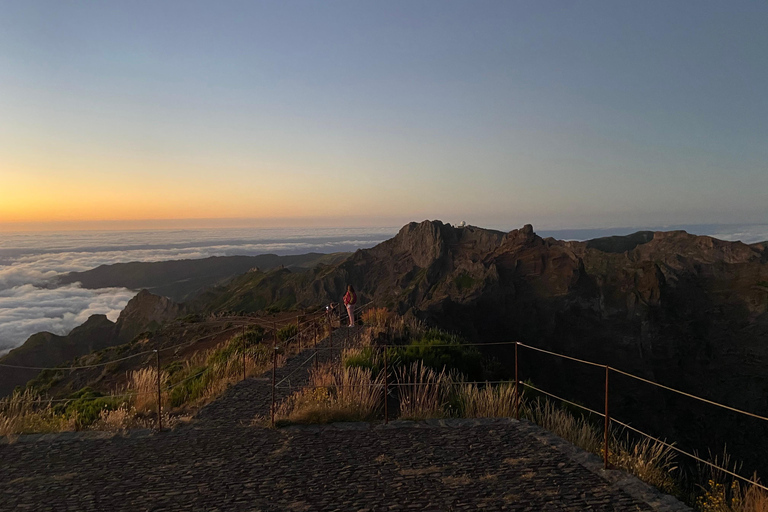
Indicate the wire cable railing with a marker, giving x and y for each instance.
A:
(322, 319)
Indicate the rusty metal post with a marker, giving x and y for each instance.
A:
(274, 373)
(386, 387)
(316, 362)
(607, 421)
(346, 341)
(243, 338)
(159, 403)
(330, 333)
(517, 386)
(298, 331)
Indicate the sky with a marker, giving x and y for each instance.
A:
(357, 113)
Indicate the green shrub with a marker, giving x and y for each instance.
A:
(191, 318)
(251, 342)
(464, 281)
(173, 367)
(191, 389)
(287, 332)
(438, 350)
(87, 405)
(45, 380)
(366, 359)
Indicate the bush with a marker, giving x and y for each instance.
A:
(191, 389)
(87, 406)
(249, 342)
(287, 332)
(438, 350)
(192, 318)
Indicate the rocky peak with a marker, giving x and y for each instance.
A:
(146, 311)
(425, 241)
(520, 237)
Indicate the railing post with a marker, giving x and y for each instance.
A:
(159, 403)
(298, 331)
(386, 387)
(330, 333)
(274, 373)
(317, 364)
(517, 386)
(607, 421)
(243, 337)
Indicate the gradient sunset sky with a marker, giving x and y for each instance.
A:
(563, 114)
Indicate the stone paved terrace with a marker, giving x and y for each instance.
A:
(220, 462)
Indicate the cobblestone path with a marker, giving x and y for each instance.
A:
(220, 462)
(253, 397)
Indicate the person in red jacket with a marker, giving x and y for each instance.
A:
(350, 298)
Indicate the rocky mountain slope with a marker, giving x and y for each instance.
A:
(687, 311)
(145, 312)
(180, 280)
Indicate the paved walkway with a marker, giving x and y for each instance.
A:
(222, 463)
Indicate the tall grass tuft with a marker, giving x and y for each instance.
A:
(143, 386)
(562, 423)
(335, 394)
(723, 493)
(651, 461)
(24, 413)
(377, 317)
(423, 392)
(486, 402)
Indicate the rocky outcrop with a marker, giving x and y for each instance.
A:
(48, 350)
(145, 312)
(684, 310)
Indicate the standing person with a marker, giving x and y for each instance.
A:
(350, 298)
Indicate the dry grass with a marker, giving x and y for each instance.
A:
(25, 413)
(488, 401)
(752, 499)
(335, 394)
(142, 384)
(560, 422)
(377, 317)
(381, 321)
(723, 493)
(423, 392)
(650, 461)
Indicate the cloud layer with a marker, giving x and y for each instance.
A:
(28, 309)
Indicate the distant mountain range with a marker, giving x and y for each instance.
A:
(181, 280)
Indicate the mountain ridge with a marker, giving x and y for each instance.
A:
(180, 280)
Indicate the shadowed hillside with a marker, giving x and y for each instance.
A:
(181, 279)
(687, 311)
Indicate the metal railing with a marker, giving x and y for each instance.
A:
(310, 329)
(518, 383)
(311, 323)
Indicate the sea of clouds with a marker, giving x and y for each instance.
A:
(30, 302)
